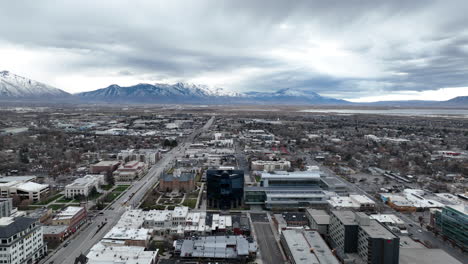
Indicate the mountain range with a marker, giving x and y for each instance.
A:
(192, 93)
(14, 86)
(20, 88)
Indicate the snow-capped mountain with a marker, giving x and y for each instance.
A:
(293, 96)
(14, 86)
(160, 92)
(193, 93)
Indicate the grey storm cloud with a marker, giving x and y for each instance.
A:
(342, 48)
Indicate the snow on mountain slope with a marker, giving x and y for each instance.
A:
(193, 93)
(12, 85)
(160, 89)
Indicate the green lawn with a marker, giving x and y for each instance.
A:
(111, 197)
(49, 199)
(121, 188)
(66, 200)
(193, 194)
(114, 194)
(198, 177)
(190, 203)
(106, 187)
(56, 206)
(258, 178)
(167, 201)
(94, 196)
(152, 207)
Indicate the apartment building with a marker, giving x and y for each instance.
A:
(375, 244)
(21, 240)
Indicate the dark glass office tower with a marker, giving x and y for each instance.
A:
(225, 188)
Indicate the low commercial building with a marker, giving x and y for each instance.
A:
(241, 225)
(390, 220)
(306, 247)
(120, 236)
(398, 202)
(183, 222)
(216, 248)
(130, 171)
(353, 201)
(270, 165)
(104, 167)
(411, 200)
(101, 253)
(295, 219)
(21, 240)
(54, 235)
(42, 214)
(83, 186)
(72, 217)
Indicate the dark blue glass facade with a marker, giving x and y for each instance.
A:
(225, 188)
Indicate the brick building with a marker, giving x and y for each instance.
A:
(184, 182)
(104, 167)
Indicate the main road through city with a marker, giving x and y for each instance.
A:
(89, 235)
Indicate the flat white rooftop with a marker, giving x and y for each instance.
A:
(32, 187)
(122, 233)
(102, 254)
(292, 175)
(69, 212)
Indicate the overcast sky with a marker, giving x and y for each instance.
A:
(354, 49)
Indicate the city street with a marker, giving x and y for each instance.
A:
(89, 236)
(269, 250)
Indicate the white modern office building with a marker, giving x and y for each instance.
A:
(84, 185)
(23, 187)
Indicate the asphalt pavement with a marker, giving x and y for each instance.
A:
(269, 250)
